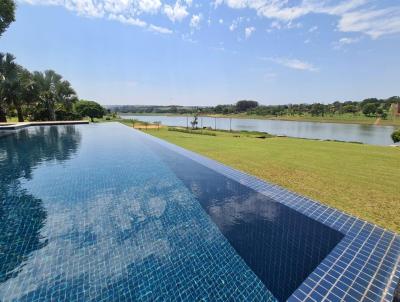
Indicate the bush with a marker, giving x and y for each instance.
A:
(396, 136)
(90, 109)
(63, 115)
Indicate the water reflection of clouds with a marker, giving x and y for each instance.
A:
(130, 225)
(107, 222)
(243, 209)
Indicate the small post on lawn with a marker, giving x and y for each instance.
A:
(215, 123)
(201, 124)
(187, 122)
(230, 124)
(158, 123)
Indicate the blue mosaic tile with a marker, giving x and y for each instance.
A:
(94, 213)
(365, 247)
(78, 225)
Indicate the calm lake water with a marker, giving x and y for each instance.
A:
(367, 134)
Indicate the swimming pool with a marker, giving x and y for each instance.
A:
(103, 212)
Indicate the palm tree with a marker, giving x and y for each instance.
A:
(53, 90)
(27, 90)
(9, 85)
(3, 60)
(65, 95)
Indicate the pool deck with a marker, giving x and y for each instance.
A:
(364, 266)
(16, 126)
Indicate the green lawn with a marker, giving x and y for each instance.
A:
(359, 179)
(340, 119)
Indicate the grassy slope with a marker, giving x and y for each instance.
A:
(359, 179)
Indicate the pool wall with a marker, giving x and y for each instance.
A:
(364, 266)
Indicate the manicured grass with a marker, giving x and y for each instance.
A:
(362, 180)
(339, 119)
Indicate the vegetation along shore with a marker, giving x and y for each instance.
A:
(369, 111)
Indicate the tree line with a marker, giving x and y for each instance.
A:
(39, 96)
(371, 107)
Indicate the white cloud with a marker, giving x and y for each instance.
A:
(178, 12)
(125, 11)
(293, 63)
(348, 40)
(82, 7)
(354, 15)
(221, 21)
(127, 20)
(148, 6)
(285, 25)
(312, 29)
(235, 23)
(159, 29)
(248, 31)
(374, 23)
(345, 41)
(362, 16)
(195, 21)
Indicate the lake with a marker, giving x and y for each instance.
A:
(367, 134)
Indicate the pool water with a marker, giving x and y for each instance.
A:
(100, 212)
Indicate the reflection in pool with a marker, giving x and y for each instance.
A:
(100, 212)
(106, 219)
(279, 244)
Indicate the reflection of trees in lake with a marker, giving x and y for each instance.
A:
(21, 214)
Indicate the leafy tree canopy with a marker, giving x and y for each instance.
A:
(90, 109)
(7, 14)
(396, 136)
(244, 105)
(370, 109)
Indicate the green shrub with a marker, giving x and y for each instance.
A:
(64, 115)
(90, 109)
(396, 136)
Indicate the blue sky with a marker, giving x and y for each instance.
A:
(193, 52)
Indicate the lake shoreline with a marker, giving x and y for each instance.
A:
(371, 122)
(367, 134)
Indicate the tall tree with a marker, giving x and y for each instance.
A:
(3, 117)
(8, 83)
(244, 105)
(90, 109)
(27, 90)
(53, 91)
(16, 86)
(7, 14)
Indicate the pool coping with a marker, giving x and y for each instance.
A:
(364, 265)
(16, 126)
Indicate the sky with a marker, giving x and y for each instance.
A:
(192, 52)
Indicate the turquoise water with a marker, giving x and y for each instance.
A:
(98, 212)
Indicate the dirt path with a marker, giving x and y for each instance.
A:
(378, 121)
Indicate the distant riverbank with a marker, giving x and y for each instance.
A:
(337, 119)
(363, 133)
